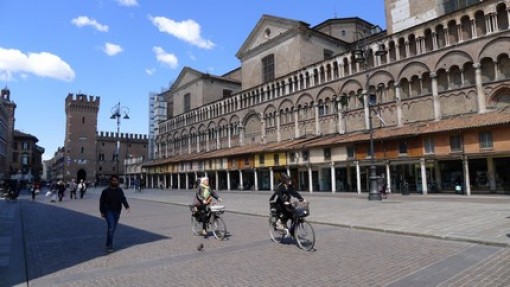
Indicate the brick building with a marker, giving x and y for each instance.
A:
(89, 154)
(433, 90)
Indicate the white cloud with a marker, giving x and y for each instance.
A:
(165, 58)
(128, 3)
(112, 49)
(86, 21)
(42, 64)
(150, 71)
(187, 30)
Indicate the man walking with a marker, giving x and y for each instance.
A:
(72, 189)
(110, 205)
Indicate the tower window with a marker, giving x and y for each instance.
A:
(83, 120)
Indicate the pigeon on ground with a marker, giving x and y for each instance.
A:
(200, 247)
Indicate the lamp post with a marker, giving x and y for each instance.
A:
(119, 112)
(360, 54)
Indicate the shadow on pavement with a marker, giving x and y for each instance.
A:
(57, 238)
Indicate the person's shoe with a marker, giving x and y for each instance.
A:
(109, 249)
(203, 232)
(279, 225)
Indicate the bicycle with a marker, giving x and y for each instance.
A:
(215, 222)
(297, 227)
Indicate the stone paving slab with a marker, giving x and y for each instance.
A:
(477, 219)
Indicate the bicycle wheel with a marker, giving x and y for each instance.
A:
(218, 228)
(275, 234)
(304, 235)
(196, 226)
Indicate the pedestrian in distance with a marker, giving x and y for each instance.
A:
(82, 187)
(61, 188)
(72, 189)
(110, 205)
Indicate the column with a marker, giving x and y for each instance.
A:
(296, 124)
(271, 178)
(179, 181)
(198, 142)
(473, 28)
(397, 51)
(216, 180)
(278, 133)
(241, 184)
(358, 177)
(462, 79)
(496, 73)
(424, 184)
(341, 118)
(366, 108)
(228, 180)
(263, 127)
(459, 32)
(491, 174)
(207, 139)
(229, 132)
(310, 183)
(399, 103)
(317, 125)
(434, 41)
(256, 178)
(218, 138)
(187, 182)
(388, 177)
(288, 171)
(467, 182)
(333, 178)
(435, 97)
(479, 89)
(171, 180)
(241, 134)
(164, 180)
(189, 143)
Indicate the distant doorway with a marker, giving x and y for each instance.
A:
(82, 174)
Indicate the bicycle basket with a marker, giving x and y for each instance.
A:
(302, 208)
(217, 208)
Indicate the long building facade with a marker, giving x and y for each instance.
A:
(432, 94)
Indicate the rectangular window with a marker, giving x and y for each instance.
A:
(486, 140)
(276, 158)
(305, 155)
(402, 148)
(328, 54)
(187, 102)
(429, 145)
(351, 152)
(327, 153)
(261, 159)
(292, 157)
(268, 68)
(227, 93)
(25, 146)
(246, 161)
(456, 143)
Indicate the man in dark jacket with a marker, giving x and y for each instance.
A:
(110, 206)
(282, 197)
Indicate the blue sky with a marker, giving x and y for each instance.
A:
(121, 50)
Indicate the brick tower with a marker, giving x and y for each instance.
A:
(80, 139)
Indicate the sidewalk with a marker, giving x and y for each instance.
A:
(477, 218)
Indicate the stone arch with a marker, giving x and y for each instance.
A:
(453, 58)
(325, 93)
(500, 97)
(285, 104)
(493, 48)
(413, 68)
(304, 99)
(351, 85)
(381, 77)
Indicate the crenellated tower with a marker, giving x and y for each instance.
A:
(80, 137)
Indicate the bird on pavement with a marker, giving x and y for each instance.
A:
(200, 247)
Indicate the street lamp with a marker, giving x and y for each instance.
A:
(360, 55)
(119, 112)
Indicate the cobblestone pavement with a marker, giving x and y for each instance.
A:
(63, 245)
